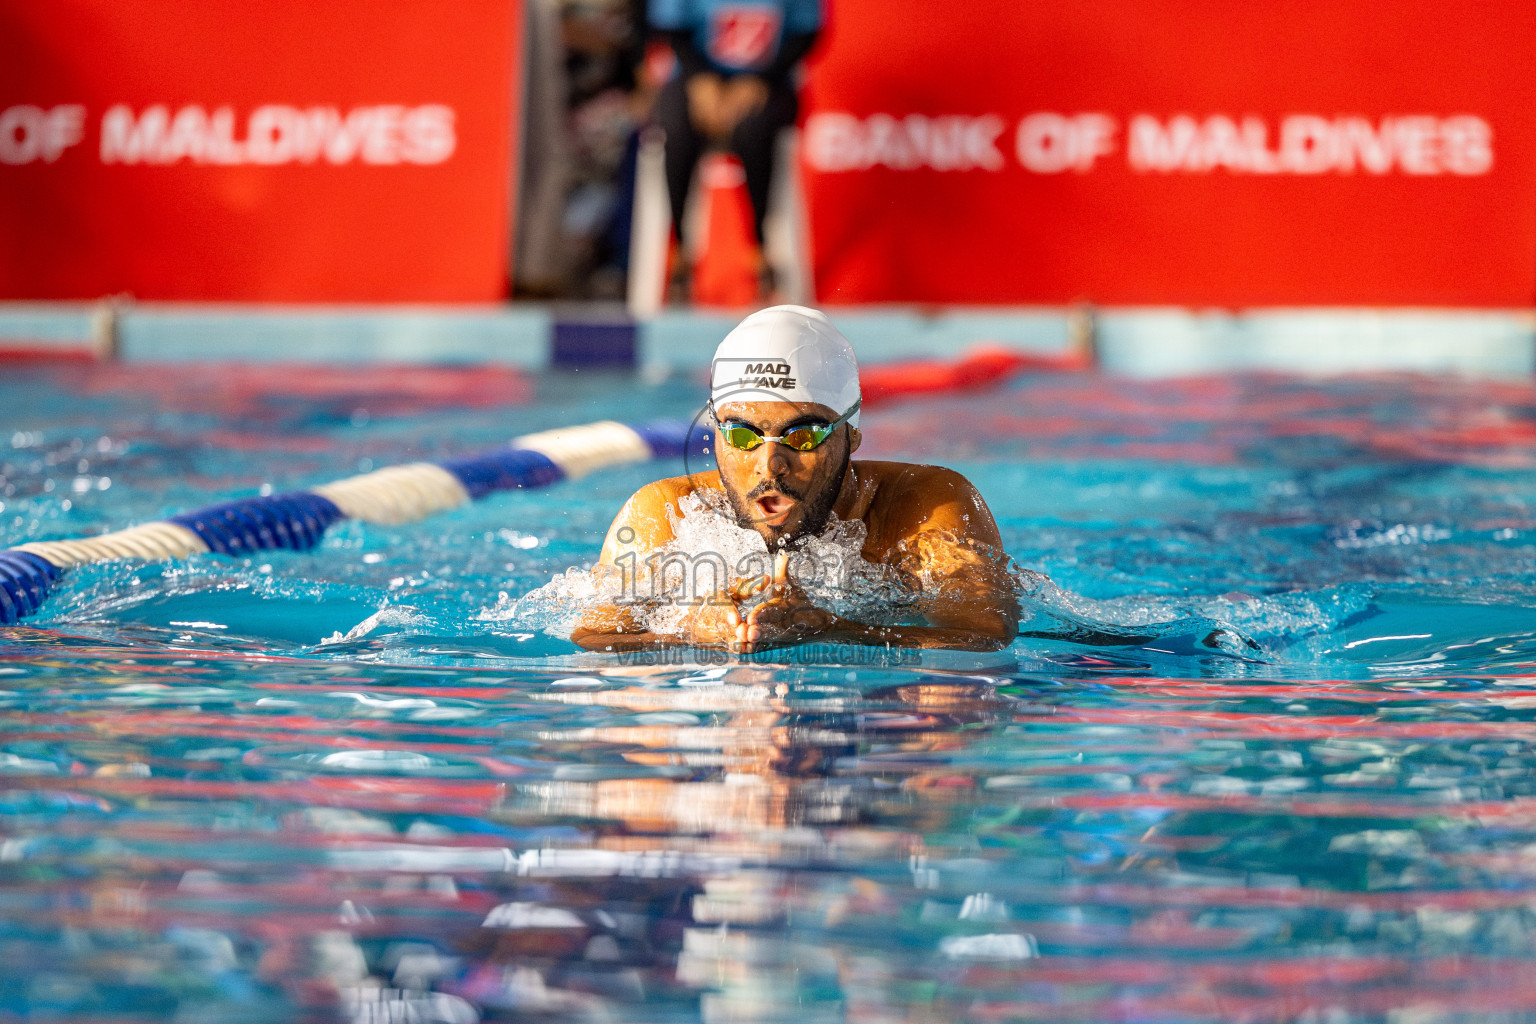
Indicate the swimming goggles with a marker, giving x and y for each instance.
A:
(804, 438)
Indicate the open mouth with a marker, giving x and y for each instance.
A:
(773, 508)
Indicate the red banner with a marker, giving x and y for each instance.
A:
(1194, 153)
(345, 151)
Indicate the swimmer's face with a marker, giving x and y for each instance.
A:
(774, 489)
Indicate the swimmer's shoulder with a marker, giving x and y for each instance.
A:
(645, 521)
(673, 489)
(906, 481)
(910, 497)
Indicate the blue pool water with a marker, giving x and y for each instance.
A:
(354, 784)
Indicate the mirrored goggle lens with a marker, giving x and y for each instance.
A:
(803, 439)
(738, 436)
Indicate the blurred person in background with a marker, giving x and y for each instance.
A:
(733, 89)
(611, 97)
(539, 267)
(586, 96)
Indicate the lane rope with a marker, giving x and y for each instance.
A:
(297, 520)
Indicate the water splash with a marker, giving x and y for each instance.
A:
(709, 553)
(665, 590)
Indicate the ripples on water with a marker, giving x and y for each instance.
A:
(339, 786)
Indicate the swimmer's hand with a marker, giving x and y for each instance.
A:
(721, 621)
(716, 623)
(752, 614)
(783, 614)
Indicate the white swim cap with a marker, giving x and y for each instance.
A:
(786, 354)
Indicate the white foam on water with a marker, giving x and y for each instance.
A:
(1275, 614)
(399, 616)
(709, 552)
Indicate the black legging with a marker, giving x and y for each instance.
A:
(753, 141)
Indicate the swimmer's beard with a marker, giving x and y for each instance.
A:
(817, 512)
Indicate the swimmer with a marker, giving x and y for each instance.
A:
(785, 405)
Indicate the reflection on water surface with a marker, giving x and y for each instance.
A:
(209, 814)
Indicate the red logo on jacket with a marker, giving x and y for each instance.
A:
(743, 37)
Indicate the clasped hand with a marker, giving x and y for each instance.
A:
(762, 612)
(717, 105)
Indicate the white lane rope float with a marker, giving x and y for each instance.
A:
(298, 520)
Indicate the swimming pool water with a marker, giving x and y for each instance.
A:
(352, 784)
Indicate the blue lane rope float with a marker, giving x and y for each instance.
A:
(298, 520)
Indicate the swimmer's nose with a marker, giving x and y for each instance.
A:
(771, 458)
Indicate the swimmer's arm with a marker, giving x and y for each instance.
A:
(618, 632)
(641, 527)
(967, 616)
(937, 529)
(615, 629)
(940, 530)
